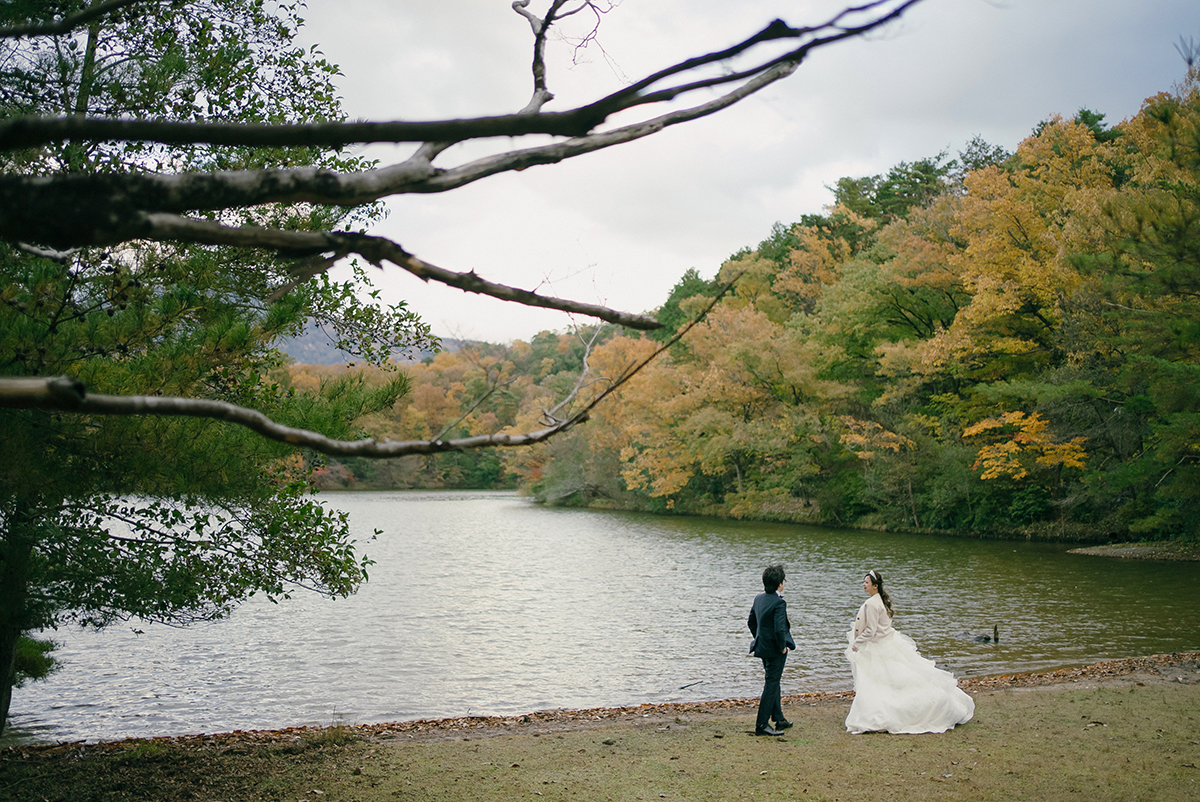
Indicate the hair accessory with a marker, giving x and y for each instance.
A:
(873, 575)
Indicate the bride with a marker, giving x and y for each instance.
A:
(895, 688)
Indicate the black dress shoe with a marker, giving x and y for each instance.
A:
(768, 730)
(782, 725)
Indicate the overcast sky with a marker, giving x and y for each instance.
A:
(620, 227)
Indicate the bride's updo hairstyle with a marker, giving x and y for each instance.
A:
(877, 580)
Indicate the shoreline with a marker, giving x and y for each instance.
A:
(565, 720)
(1117, 730)
(1082, 539)
(1172, 550)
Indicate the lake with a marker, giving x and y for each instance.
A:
(484, 603)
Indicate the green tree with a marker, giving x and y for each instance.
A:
(908, 186)
(1148, 322)
(670, 314)
(1094, 122)
(172, 520)
(977, 154)
(904, 187)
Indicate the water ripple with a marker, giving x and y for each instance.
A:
(484, 604)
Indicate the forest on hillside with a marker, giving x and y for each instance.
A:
(1000, 343)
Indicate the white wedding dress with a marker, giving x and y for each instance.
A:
(896, 689)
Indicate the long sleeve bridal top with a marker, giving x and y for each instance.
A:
(872, 622)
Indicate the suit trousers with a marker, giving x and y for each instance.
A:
(769, 706)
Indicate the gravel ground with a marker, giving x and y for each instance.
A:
(1161, 550)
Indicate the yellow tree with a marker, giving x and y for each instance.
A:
(582, 464)
(726, 413)
(886, 302)
(1019, 443)
(1020, 226)
(821, 249)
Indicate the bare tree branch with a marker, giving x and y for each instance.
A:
(541, 95)
(375, 250)
(63, 393)
(541, 28)
(32, 131)
(75, 210)
(71, 210)
(62, 257)
(55, 213)
(67, 23)
(443, 180)
(26, 132)
(48, 214)
(550, 416)
(635, 368)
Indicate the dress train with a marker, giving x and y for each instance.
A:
(899, 691)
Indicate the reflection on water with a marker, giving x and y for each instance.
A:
(482, 604)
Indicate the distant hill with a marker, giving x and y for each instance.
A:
(314, 347)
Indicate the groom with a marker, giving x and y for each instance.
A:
(772, 638)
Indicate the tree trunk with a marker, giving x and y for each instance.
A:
(16, 548)
(8, 653)
(912, 502)
(76, 150)
(87, 75)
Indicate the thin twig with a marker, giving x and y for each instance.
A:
(492, 387)
(550, 416)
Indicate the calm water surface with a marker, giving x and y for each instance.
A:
(486, 604)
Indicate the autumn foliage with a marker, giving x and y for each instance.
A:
(1002, 342)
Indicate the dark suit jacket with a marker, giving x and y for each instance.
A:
(769, 625)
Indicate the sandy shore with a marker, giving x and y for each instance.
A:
(1159, 669)
(1153, 670)
(1119, 730)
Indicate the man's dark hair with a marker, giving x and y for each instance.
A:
(772, 578)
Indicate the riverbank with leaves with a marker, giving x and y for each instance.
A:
(1122, 729)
